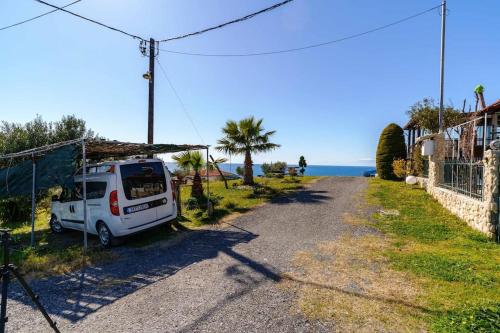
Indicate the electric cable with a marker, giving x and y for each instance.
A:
(38, 16)
(244, 18)
(183, 106)
(303, 47)
(91, 20)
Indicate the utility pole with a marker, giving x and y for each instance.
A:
(151, 101)
(441, 83)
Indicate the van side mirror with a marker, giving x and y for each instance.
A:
(55, 198)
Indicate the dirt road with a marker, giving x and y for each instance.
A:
(222, 279)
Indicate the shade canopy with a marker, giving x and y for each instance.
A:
(56, 164)
(104, 149)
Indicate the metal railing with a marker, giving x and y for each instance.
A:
(464, 176)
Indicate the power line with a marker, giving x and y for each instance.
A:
(90, 20)
(303, 47)
(244, 18)
(183, 106)
(38, 16)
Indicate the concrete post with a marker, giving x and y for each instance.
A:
(436, 167)
(491, 163)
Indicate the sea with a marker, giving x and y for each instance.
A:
(311, 170)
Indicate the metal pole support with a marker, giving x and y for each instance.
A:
(209, 203)
(441, 77)
(33, 201)
(84, 184)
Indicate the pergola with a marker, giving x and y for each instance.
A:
(53, 165)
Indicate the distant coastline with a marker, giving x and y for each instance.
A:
(311, 170)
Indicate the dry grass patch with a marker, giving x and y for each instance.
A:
(353, 220)
(350, 281)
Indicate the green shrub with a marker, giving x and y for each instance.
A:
(417, 167)
(191, 203)
(230, 205)
(215, 199)
(391, 146)
(399, 168)
(276, 169)
(14, 210)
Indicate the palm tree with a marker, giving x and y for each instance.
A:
(192, 160)
(244, 138)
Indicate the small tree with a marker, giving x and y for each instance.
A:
(266, 168)
(192, 160)
(240, 171)
(302, 165)
(425, 114)
(391, 146)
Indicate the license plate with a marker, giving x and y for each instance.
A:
(137, 208)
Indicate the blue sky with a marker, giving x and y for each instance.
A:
(329, 104)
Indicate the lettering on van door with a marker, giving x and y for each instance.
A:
(144, 206)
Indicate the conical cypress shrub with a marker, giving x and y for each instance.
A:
(391, 146)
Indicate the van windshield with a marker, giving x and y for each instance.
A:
(141, 180)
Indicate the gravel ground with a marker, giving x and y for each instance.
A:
(221, 279)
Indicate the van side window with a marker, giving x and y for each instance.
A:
(95, 190)
(65, 195)
(141, 180)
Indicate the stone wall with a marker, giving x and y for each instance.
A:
(476, 213)
(479, 214)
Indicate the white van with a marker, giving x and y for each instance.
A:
(123, 197)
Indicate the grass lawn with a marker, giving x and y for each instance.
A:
(457, 268)
(56, 254)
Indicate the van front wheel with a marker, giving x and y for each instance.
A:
(105, 236)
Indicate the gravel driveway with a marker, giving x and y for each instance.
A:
(221, 279)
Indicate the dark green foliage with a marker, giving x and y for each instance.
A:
(15, 137)
(15, 209)
(239, 171)
(391, 146)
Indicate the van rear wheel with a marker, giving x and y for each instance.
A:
(55, 225)
(105, 236)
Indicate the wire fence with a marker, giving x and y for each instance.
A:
(464, 176)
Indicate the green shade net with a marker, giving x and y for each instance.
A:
(54, 168)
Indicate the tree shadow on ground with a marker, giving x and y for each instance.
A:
(75, 295)
(250, 274)
(304, 196)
